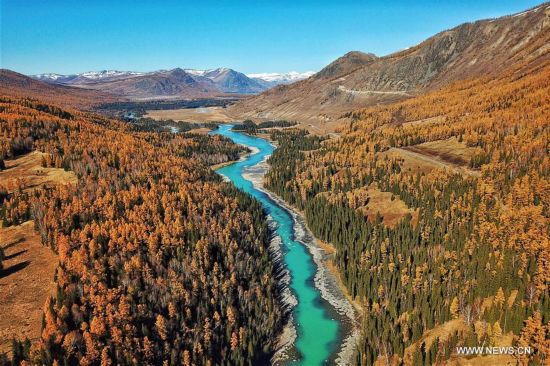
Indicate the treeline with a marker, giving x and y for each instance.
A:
(478, 248)
(252, 128)
(160, 262)
(247, 126)
(152, 125)
(278, 123)
(140, 108)
(208, 149)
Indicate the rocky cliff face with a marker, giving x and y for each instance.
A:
(482, 48)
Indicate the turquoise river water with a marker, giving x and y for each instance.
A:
(317, 333)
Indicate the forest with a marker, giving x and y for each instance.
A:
(160, 262)
(140, 108)
(146, 124)
(252, 128)
(471, 258)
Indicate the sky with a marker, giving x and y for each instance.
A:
(74, 36)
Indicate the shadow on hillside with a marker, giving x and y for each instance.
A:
(15, 255)
(15, 242)
(13, 269)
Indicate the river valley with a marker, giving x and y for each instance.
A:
(320, 329)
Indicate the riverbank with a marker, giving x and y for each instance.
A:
(329, 285)
(242, 156)
(322, 325)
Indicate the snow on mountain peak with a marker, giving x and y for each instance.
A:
(196, 72)
(287, 77)
(227, 79)
(48, 76)
(219, 70)
(107, 73)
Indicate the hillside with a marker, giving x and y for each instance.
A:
(485, 47)
(438, 208)
(157, 260)
(18, 85)
(404, 217)
(27, 268)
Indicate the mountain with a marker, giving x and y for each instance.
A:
(139, 85)
(271, 79)
(357, 79)
(231, 81)
(414, 194)
(173, 83)
(51, 77)
(160, 84)
(85, 77)
(347, 64)
(13, 84)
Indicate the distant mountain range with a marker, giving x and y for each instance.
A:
(173, 83)
(14, 84)
(271, 79)
(356, 80)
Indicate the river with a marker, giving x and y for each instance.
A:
(318, 330)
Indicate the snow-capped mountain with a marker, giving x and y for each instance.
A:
(231, 81)
(55, 78)
(196, 72)
(175, 82)
(48, 76)
(84, 77)
(282, 78)
(266, 79)
(95, 75)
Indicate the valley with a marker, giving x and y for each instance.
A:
(200, 114)
(432, 197)
(110, 222)
(384, 211)
(312, 296)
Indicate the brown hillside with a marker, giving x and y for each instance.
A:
(485, 47)
(25, 283)
(148, 233)
(472, 160)
(13, 84)
(27, 277)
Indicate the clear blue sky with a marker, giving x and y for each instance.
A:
(249, 36)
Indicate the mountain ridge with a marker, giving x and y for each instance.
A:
(160, 83)
(14, 84)
(356, 80)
